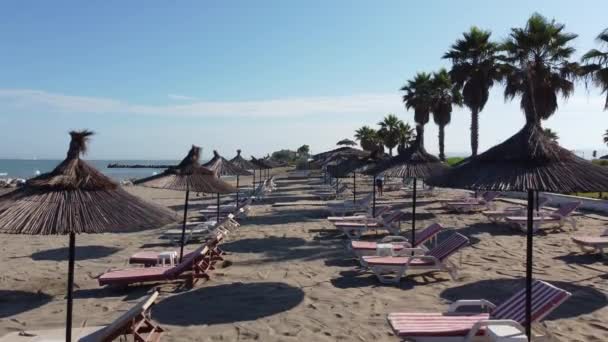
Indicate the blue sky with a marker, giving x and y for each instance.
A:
(153, 77)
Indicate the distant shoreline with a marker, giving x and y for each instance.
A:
(137, 166)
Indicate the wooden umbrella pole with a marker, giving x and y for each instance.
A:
(354, 187)
(218, 208)
(237, 190)
(253, 179)
(181, 249)
(68, 322)
(374, 196)
(413, 241)
(529, 246)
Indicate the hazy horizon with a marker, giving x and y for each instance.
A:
(253, 76)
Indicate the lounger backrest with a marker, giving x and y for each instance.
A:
(567, 209)
(545, 298)
(449, 246)
(119, 325)
(490, 196)
(187, 262)
(382, 210)
(392, 217)
(427, 233)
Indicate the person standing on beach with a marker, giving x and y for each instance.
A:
(380, 183)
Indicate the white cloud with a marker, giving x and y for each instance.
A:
(177, 97)
(27, 100)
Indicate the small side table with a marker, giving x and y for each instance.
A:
(166, 258)
(504, 333)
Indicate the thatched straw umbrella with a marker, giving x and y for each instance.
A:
(354, 165)
(76, 198)
(346, 142)
(187, 175)
(244, 164)
(414, 162)
(223, 167)
(260, 164)
(529, 162)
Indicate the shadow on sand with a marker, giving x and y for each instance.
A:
(16, 302)
(361, 278)
(228, 303)
(82, 253)
(584, 299)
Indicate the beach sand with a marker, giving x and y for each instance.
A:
(288, 277)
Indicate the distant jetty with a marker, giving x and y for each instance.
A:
(137, 166)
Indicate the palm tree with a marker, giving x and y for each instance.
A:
(551, 134)
(389, 131)
(418, 95)
(475, 68)
(539, 67)
(596, 67)
(445, 93)
(406, 136)
(368, 138)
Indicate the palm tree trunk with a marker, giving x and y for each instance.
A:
(441, 142)
(474, 131)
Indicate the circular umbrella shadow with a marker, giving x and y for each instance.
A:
(82, 253)
(227, 303)
(16, 302)
(584, 299)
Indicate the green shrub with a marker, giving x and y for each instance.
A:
(453, 160)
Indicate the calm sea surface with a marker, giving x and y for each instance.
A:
(19, 168)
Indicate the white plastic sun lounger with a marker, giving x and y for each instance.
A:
(499, 215)
(557, 217)
(395, 242)
(361, 217)
(354, 230)
(593, 243)
(390, 269)
(136, 323)
(472, 205)
(453, 326)
(348, 206)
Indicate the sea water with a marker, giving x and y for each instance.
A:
(22, 168)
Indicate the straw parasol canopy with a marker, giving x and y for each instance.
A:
(353, 164)
(241, 162)
(76, 198)
(528, 161)
(222, 167)
(413, 162)
(188, 175)
(346, 142)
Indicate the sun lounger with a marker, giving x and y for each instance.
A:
(557, 217)
(593, 243)
(390, 269)
(361, 217)
(325, 195)
(499, 215)
(473, 205)
(453, 326)
(420, 192)
(348, 206)
(153, 258)
(193, 267)
(354, 230)
(395, 242)
(136, 323)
